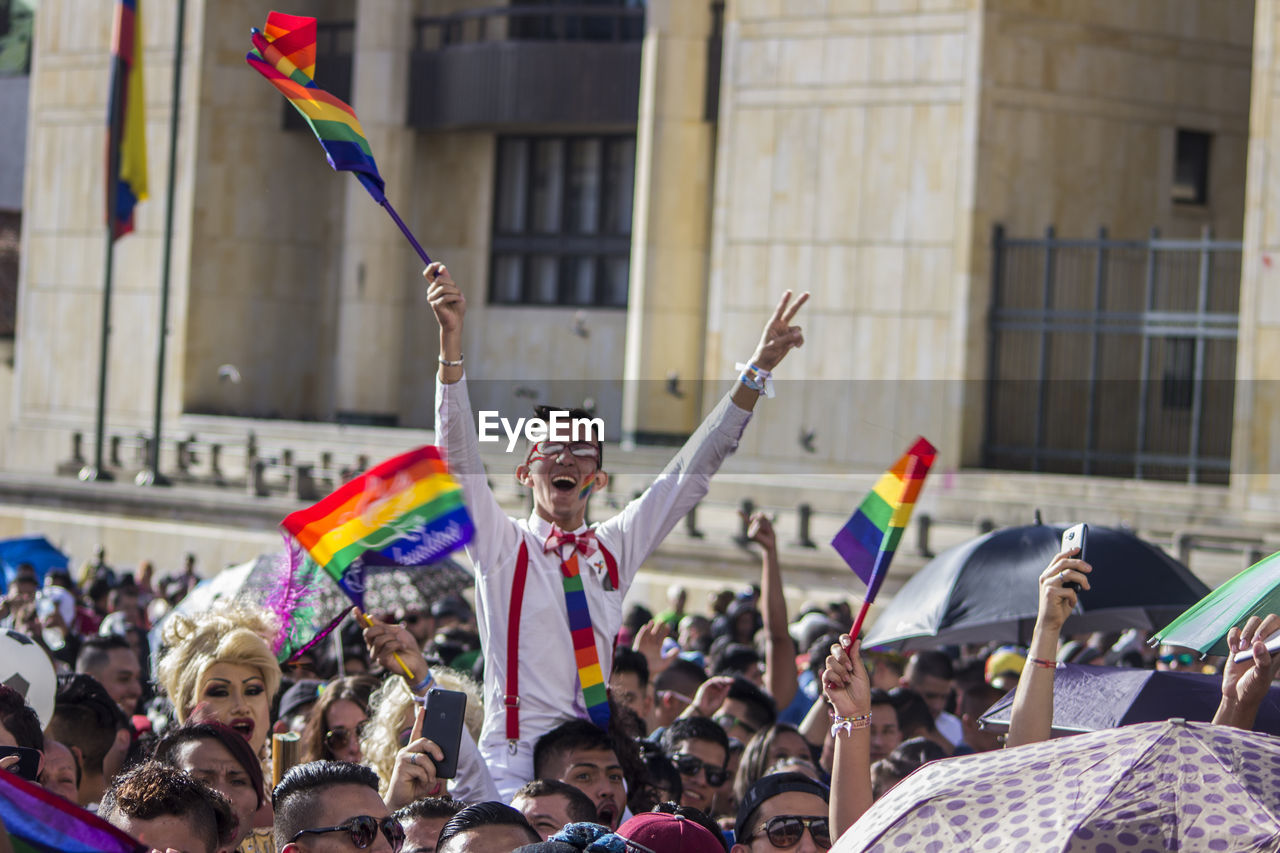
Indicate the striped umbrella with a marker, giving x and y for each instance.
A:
(1204, 627)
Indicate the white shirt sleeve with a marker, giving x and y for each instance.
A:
(458, 442)
(642, 525)
(473, 784)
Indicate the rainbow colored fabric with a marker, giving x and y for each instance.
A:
(38, 821)
(126, 121)
(284, 52)
(587, 657)
(407, 509)
(868, 540)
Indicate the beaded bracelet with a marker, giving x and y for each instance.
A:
(848, 724)
(1042, 663)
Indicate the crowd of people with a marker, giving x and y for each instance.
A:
(735, 728)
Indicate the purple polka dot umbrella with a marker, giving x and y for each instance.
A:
(1169, 785)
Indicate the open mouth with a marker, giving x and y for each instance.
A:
(244, 726)
(564, 483)
(607, 815)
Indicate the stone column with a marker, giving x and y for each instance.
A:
(377, 266)
(666, 307)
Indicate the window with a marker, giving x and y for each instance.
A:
(1177, 390)
(578, 20)
(10, 229)
(562, 220)
(1191, 168)
(16, 18)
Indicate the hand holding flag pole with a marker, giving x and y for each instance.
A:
(285, 53)
(869, 539)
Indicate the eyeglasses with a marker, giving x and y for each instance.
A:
(690, 765)
(363, 830)
(785, 831)
(340, 738)
(728, 721)
(1185, 659)
(550, 449)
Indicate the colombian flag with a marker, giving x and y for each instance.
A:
(126, 123)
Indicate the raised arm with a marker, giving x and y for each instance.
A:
(450, 306)
(1032, 718)
(1245, 684)
(780, 675)
(846, 684)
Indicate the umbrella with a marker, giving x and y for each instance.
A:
(1204, 627)
(1152, 786)
(387, 588)
(1090, 698)
(986, 589)
(36, 550)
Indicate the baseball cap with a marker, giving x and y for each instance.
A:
(301, 694)
(669, 833)
(1005, 659)
(548, 847)
(768, 787)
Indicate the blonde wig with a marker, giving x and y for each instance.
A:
(391, 712)
(191, 643)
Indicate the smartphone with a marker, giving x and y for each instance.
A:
(28, 766)
(445, 715)
(1273, 646)
(1076, 536)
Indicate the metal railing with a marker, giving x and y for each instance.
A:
(1113, 357)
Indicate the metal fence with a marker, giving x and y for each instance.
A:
(1113, 357)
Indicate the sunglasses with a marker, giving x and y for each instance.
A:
(340, 738)
(690, 765)
(548, 449)
(785, 831)
(728, 721)
(363, 830)
(1184, 659)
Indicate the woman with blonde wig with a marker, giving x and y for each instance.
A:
(218, 667)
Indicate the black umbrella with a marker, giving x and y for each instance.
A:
(388, 587)
(987, 590)
(1091, 698)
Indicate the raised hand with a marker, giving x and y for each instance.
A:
(845, 681)
(385, 641)
(709, 696)
(779, 336)
(1056, 600)
(1245, 684)
(414, 773)
(648, 642)
(760, 531)
(446, 298)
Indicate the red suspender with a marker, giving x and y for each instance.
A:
(512, 699)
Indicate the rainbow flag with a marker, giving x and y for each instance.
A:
(407, 509)
(126, 121)
(38, 821)
(870, 537)
(285, 53)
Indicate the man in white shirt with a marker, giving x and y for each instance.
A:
(539, 556)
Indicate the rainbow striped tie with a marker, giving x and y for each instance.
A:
(590, 675)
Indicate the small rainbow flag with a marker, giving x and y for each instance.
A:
(408, 509)
(126, 120)
(870, 537)
(284, 52)
(38, 821)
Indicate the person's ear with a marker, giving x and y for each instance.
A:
(602, 481)
(522, 476)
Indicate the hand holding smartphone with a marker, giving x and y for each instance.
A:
(1273, 646)
(1076, 536)
(443, 721)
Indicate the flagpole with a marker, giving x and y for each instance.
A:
(98, 471)
(151, 476)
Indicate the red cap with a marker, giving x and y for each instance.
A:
(669, 833)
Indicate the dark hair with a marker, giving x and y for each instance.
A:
(932, 663)
(86, 717)
(95, 652)
(581, 809)
(575, 734)
(693, 728)
(880, 696)
(426, 808)
(629, 660)
(575, 414)
(20, 719)
(682, 676)
(233, 741)
(763, 711)
(296, 798)
(735, 659)
(659, 771)
(819, 650)
(485, 814)
(352, 688)
(696, 815)
(637, 617)
(155, 789)
(755, 757)
(906, 758)
(913, 713)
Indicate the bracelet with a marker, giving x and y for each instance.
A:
(848, 724)
(756, 378)
(423, 684)
(447, 363)
(1042, 663)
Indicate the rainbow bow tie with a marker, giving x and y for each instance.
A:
(584, 543)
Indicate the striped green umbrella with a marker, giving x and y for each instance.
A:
(1204, 627)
